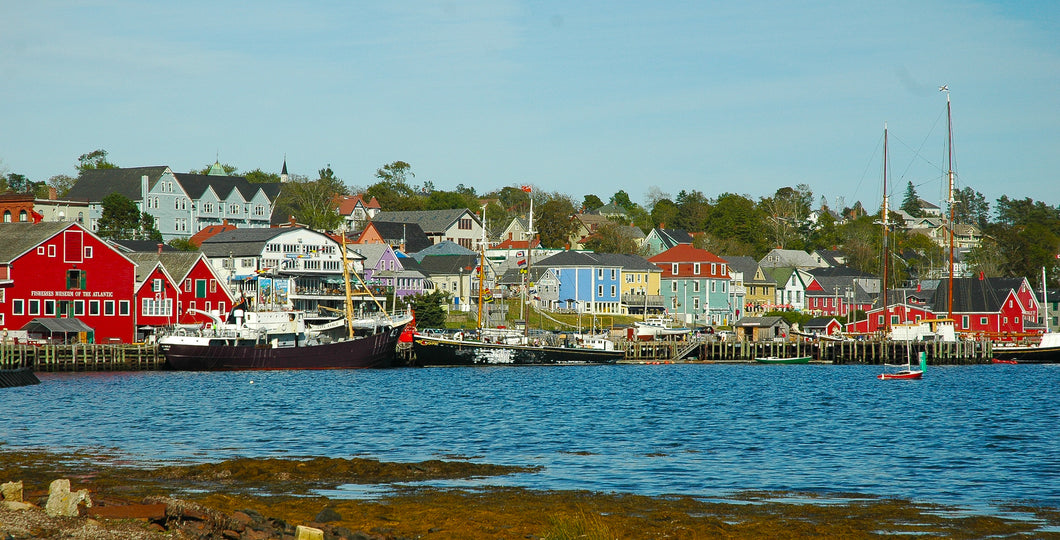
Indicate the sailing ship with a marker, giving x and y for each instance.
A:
(506, 347)
(658, 328)
(907, 371)
(1046, 351)
(265, 340)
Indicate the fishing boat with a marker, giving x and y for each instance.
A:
(265, 340)
(507, 346)
(1047, 351)
(783, 360)
(658, 328)
(907, 371)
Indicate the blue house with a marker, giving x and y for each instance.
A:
(587, 282)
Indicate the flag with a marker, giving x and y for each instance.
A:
(526, 188)
(522, 262)
(917, 287)
(982, 276)
(519, 254)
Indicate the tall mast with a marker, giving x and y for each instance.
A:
(481, 269)
(886, 245)
(529, 261)
(348, 303)
(949, 152)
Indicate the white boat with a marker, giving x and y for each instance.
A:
(925, 330)
(1047, 351)
(658, 328)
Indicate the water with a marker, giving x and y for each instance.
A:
(972, 436)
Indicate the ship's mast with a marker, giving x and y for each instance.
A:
(481, 269)
(949, 152)
(886, 245)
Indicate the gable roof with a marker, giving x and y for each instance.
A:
(446, 247)
(431, 221)
(95, 184)
(577, 258)
(749, 267)
(394, 231)
(974, 295)
(671, 237)
(140, 246)
(628, 263)
(347, 203)
(177, 264)
(372, 253)
(449, 264)
(207, 232)
(686, 253)
(18, 238)
(760, 321)
(790, 257)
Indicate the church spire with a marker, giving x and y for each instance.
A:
(283, 171)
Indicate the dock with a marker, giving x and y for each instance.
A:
(81, 357)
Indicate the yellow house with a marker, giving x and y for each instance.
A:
(640, 283)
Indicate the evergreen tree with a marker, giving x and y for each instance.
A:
(911, 202)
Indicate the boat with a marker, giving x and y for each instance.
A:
(23, 376)
(1047, 351)
(658, 328)
(1000, 361)
(509, 347)
(907, 371)
(941, 329)
(267, 340)
(784, 360)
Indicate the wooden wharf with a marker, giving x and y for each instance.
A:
(81, 357)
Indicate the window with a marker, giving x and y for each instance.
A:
(673, 286)
(600, 291)
(40, 250)
(964, 322)
(673, 269)
(88, 252)
(613, 291)
(695, 302)
(695, 269)
(79, 308)
(713, 269)
(108, 308)
(187, 285)
(34, 307)
(23, 216)
(213, 285)
(18, 307)
(156, 285)
(7, 216)
(614, 273)
(75, 279)
(695, 286)
(93, 307)
(51, 250)
(465, 224)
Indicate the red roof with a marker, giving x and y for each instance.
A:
(517, 244)
(686, 253)
(347, 203)
(198, 238)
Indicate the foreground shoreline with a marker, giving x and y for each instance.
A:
(279, 494)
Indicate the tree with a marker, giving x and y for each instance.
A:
(122, 220)
(621, 199)
(611, 238)
(62, 184)
(20, 184)
(183, 244)
(393, 190)
(664, 212)
(591, 202)
(970, 206)
(429, 308)
(96, 159)
(693, 208)
(738, 218)
(786, 212)
(911, 202)
(312, 202)
(258, 176)
(553, 221)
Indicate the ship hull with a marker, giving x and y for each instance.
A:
(432, 351)
(373, 351)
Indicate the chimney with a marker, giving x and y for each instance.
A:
(143, 192)
(160, 248)
(52, 194)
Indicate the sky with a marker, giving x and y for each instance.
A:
(571, 97)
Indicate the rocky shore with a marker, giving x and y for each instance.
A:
(98, 497)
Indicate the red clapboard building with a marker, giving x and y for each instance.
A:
(62, 270)
(170, 283)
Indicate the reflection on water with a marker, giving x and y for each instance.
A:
(968, 435)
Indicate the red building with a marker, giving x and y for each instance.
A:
(63, 270)
(168, 284)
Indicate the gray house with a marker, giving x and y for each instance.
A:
(181, 203)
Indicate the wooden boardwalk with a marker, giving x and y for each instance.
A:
(81, 357)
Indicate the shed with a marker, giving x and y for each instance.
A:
(66, 330)
(760, 328)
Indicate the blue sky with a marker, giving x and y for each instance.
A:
(575, 97)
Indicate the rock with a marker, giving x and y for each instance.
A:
(328, 515)
(302, 532)
(61, 502)
(11, 491)
(17, 505)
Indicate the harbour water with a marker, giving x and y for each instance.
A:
(971, 436)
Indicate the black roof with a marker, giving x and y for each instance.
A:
(394, 231)
(449, 264)
(95, 184)
(974, 295)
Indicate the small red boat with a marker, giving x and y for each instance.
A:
(998, 361)
(903, 374)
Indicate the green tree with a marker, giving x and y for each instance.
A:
(611, 238)
(312, 202)
(96, 159)
(183, 244)
(621, 198)
(591, 202)
(970, 206)
(738, 218)
(429, 308)
(393, 190)
(786, 213)
(664, 213)
(553, 221)
(122, 220)
(693, 208)
(258, 176)
(911, 202)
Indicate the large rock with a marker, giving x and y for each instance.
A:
(11, 491)
(61, 502)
